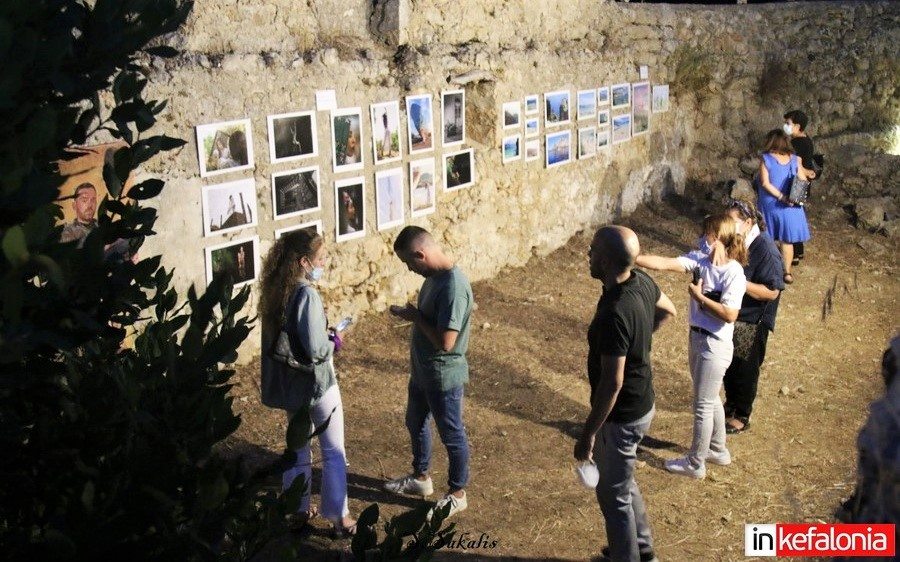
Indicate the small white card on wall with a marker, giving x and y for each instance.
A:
(645, 72)
(326, 100)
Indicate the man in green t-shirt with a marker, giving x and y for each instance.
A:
(438, 367)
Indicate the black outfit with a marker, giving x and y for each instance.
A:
(623, 327)
(803, 146)
(765, 267)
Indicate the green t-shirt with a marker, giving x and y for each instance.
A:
(445, 301)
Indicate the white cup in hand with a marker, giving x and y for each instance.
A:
(588, 474)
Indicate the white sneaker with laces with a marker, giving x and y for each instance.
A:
(721, 458)
(410, 485)
(684, 467)
(456, 505)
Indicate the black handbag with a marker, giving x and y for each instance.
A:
(743, 339)
(282, 351)
(799, 191)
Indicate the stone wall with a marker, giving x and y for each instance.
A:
(732, 70)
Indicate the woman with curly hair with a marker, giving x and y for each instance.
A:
(290, 301)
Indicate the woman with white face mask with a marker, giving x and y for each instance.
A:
(764, 272)
(715, 301)
(290, 301)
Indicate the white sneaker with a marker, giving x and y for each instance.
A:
(410, 485)
(721, 458)
(684, 467)
(456, 505)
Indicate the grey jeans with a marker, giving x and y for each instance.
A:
(627, 524)
(709, 358)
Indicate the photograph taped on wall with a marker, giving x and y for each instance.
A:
(346, 139)
(459, 169)
(512, 148)
(532, 150)
(621, 95)
(587, 143)
(389, 198)
(532, 104)
(421, 187)
(386, 131)
(603, 96)
(640, 108)
(661, 98)
(238, 258)
(228, 207)
(312, 226)
(296, 192)
(621, 128)
(603, 118)
(511, 116)
(350, 208)
(559, 148)
(292, 136)
(602, 140)
(419, 119)
(532, 127)
(224, 147)
(587, 104)
(453, 117)
(556, 108)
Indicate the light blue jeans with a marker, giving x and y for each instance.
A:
(709, 358)
(627, 524)
(446, 409)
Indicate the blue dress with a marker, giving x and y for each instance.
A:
(783, 223)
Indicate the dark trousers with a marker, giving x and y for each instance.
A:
(742, 378)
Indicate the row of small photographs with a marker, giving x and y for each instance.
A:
(231, 206)
(556, 105)
(228, 146)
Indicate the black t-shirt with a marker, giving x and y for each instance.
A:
(623, 327)
(766, 268)
(803, 146)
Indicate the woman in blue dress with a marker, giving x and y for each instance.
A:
(786, 221)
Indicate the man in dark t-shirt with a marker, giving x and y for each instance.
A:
(631, 308)
(795, 122)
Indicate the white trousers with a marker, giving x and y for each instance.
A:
(334, 459)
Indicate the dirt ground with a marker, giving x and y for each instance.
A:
(528, 396)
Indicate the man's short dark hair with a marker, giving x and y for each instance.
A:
(407, 236)
(83, 186)
(797, 117)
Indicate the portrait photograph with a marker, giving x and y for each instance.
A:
(350, 209)
(602, 139)
(559, 149)
(346, 139)
(556, 108)
(296, 192)
(621, 95)
(512, 148)
(532, 104)
(621, 128)
(587, 104)
(603, 96)
(661, 98)
(640, 108)
(389, 198)
(419, 121)
(512, 115)
(224, 147)
(532, 150)
(603, 118)
(229, 206)
(421, 187)
(386, 132)
(312, 226)
(459, 169)
(239, 258)
(292, 136)
(587, 143)
(532, 127)
(453, 117)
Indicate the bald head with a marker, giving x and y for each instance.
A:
(613, 251)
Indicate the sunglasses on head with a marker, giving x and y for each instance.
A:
(740, 206)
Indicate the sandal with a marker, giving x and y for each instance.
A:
(732, 429)
(341, 531)
(298, 521)
(788, 278)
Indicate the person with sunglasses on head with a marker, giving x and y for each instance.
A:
(765, 281)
